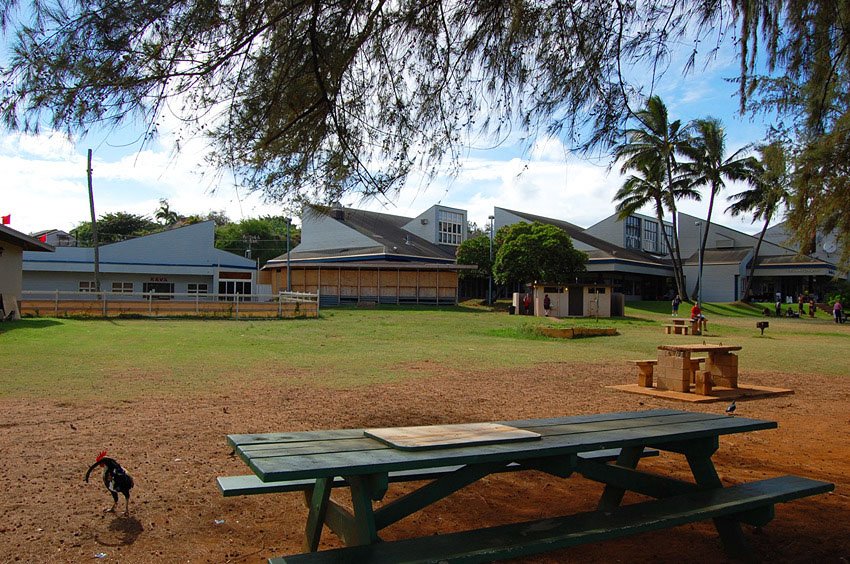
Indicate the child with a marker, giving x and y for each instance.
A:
(676, 301)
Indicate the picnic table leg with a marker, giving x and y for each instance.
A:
(612, 496)
(705, 475)
(362, 494)
(317, 499)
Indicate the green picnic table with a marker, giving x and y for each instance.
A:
(448, 458)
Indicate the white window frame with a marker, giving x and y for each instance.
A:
(450, 227)
(669, 230)
(632, 233)
(197, 288)
(650, 235)
(122, 287)
(87, 286)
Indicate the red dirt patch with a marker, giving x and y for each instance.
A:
(175, 447)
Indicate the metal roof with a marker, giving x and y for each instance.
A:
(22, 240)
(387, 231)
(607, 250)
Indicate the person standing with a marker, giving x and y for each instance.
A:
(547, 305)
(812, 307)
(676, 301)
(526, 304)
(837, 312)
(778, 307)
(800, 305)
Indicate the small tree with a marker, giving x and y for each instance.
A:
(265, 236)
(536, 251)
(476, 251)
(114, 227)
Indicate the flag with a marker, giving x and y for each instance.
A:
(43, 238)
(7, 219)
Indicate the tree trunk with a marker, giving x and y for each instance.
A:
(704, 241)
(659, 215)
(676, 255)
(749, 281)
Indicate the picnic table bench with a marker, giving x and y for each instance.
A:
(368, 461)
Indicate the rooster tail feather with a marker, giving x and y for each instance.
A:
(91, 468)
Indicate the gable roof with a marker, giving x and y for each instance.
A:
(604, 249)
(390, 240)
(22, 240)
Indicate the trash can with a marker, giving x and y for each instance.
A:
(511, 309)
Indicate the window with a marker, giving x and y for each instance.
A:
(87, 286)
(122, 287)
(668, 229)
(650, 236)
(231, 287)
(164, 288)
(632, 232)
(450, 227)
(197, 289)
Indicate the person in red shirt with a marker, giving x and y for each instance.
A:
(699, 318)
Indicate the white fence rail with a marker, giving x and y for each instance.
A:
(56, 303)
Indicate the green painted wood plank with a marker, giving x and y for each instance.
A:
(318, 504)
(432, 492)
(250, 484)
(522, 539)
(314, 466)
(612, 495)
(624, 478)
(258, 438)
(364, 443)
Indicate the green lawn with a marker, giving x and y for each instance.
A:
(80, 359)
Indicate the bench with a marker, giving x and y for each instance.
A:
(676, 329)
(749, 503)
(645, 369)
(232, 486)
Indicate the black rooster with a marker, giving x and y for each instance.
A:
(115, 479)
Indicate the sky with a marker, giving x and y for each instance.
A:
(45, 181)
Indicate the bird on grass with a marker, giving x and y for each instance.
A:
(115, 478)
(731, 409)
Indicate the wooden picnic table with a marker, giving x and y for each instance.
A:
(558, 446)
(675, 371)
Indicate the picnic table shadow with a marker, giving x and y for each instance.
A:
(125, 531)
(27, 323)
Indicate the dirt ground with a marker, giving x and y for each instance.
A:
(175, 448)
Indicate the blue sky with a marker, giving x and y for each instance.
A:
(45, 183)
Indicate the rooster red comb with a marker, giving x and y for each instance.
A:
(100, 456)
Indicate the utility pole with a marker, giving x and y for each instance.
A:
(94, 229)
(250, 239)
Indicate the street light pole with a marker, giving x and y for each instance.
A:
(490, 277)
(699, 266)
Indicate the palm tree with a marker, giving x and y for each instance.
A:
(708, 167)
(769, 192)
(165, 214)
(655, 143)
(647, 187)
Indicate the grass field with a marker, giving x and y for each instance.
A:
(79, 359)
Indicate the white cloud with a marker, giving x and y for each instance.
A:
(45, 185)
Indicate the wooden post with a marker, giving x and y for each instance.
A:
(93, 228)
